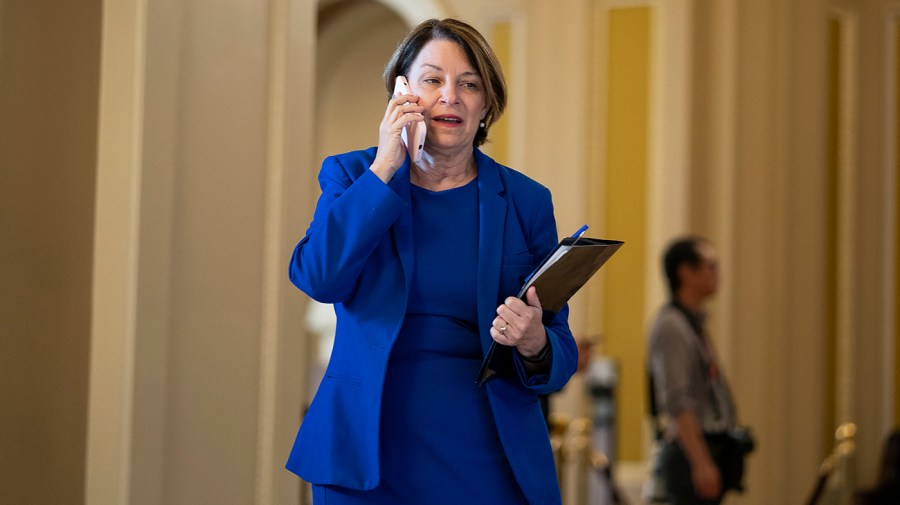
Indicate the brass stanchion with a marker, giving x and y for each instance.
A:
(579, 456)
(572, 444)
(558, 424)
(844, 447)
(600, 463)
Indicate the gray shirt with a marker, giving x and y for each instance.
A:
(680, 365)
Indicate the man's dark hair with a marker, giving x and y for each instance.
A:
(681, 250)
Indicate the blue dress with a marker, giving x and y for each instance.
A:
(438, 349)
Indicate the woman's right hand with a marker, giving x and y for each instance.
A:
(401, 111)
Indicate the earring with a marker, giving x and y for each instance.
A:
(482, 124)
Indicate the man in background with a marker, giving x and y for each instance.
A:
(692, 398)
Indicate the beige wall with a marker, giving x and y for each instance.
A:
(49, 61)
(352, 67)
(213, 118)
(865, 391)
(205, 123)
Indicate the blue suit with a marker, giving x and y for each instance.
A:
(358, 255)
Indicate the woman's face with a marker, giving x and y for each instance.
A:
(452, 93)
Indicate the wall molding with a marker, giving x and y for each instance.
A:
(116, 244)
(847, 173)
(891, 226)
(273, 245)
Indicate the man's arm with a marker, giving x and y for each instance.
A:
(704, 474)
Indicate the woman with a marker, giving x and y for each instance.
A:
(420, 261)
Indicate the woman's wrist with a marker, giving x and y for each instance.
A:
(539, 357)
(385, 173)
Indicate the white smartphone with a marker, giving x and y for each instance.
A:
(413, 135)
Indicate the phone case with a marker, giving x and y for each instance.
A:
(414, 130)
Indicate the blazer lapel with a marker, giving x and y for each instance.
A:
(492, 219)
(402, 228)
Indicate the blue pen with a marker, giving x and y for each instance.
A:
(577, 235)
(580, 232)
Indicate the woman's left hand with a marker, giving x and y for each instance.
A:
(519, 324)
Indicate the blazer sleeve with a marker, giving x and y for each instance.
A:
(542, 239)
(353, 215)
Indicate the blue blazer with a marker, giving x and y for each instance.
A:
(358, 255)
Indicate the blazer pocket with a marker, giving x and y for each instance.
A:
(344, 379)
(512, 277)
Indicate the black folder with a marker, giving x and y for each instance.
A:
(559, 276)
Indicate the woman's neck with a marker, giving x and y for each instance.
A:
(438, 174)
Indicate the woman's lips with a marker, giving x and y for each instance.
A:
(447, 119)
